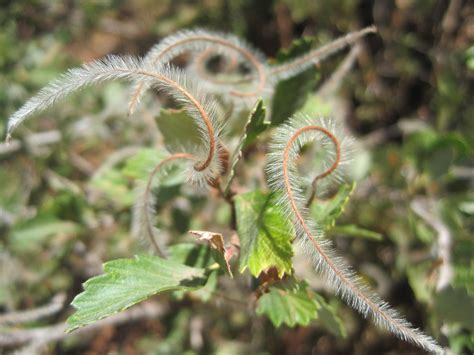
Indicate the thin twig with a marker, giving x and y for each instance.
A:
(427, 210)
(32, 315)
(450, 18)
(37, 339)
(31, 142)
(334, 82)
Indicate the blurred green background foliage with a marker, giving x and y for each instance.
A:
(66, 181)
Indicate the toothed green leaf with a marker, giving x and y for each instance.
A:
(255, 125)
(288, 303)
(265, 234)
(126, 282)
(292, 303)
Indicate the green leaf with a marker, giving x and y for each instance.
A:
(355, 231)
(467, 207)
(316, 103)
(289, 303)
(126, 282)
(179, 130)
(325, 212)
(434, 153)
(177, 335)
(328, 317)
(464, 277)
(469, 57)
(291, 94)
(204, 293)
(190, 254)
(114, 186)
(443, 152)
(195, 255)
(16, 182)
(114, 182)
(453, 305)
(140, 165)
(255, 125)
(463, 264)
(421, 285)
(265, 234)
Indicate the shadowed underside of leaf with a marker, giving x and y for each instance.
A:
(126, 282)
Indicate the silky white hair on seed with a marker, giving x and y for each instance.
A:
(283, 178)
(196, 41)
(315, 56)
(200, 106)
(222, 88)
(142, 227)
(263, 78)
(324, 145)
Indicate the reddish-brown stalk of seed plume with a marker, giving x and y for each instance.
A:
(329, 171)
(294, 207)
(148, 191)
(202, 112)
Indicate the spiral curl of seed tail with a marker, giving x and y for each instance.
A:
(283, 177)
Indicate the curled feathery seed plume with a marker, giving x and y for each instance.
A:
(144, 208)
(198, 40)
(283, 177)
(200, 106)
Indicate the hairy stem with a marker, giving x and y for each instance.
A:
(207, 121)
(114, 67)
(345, 282)
(313, 57)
